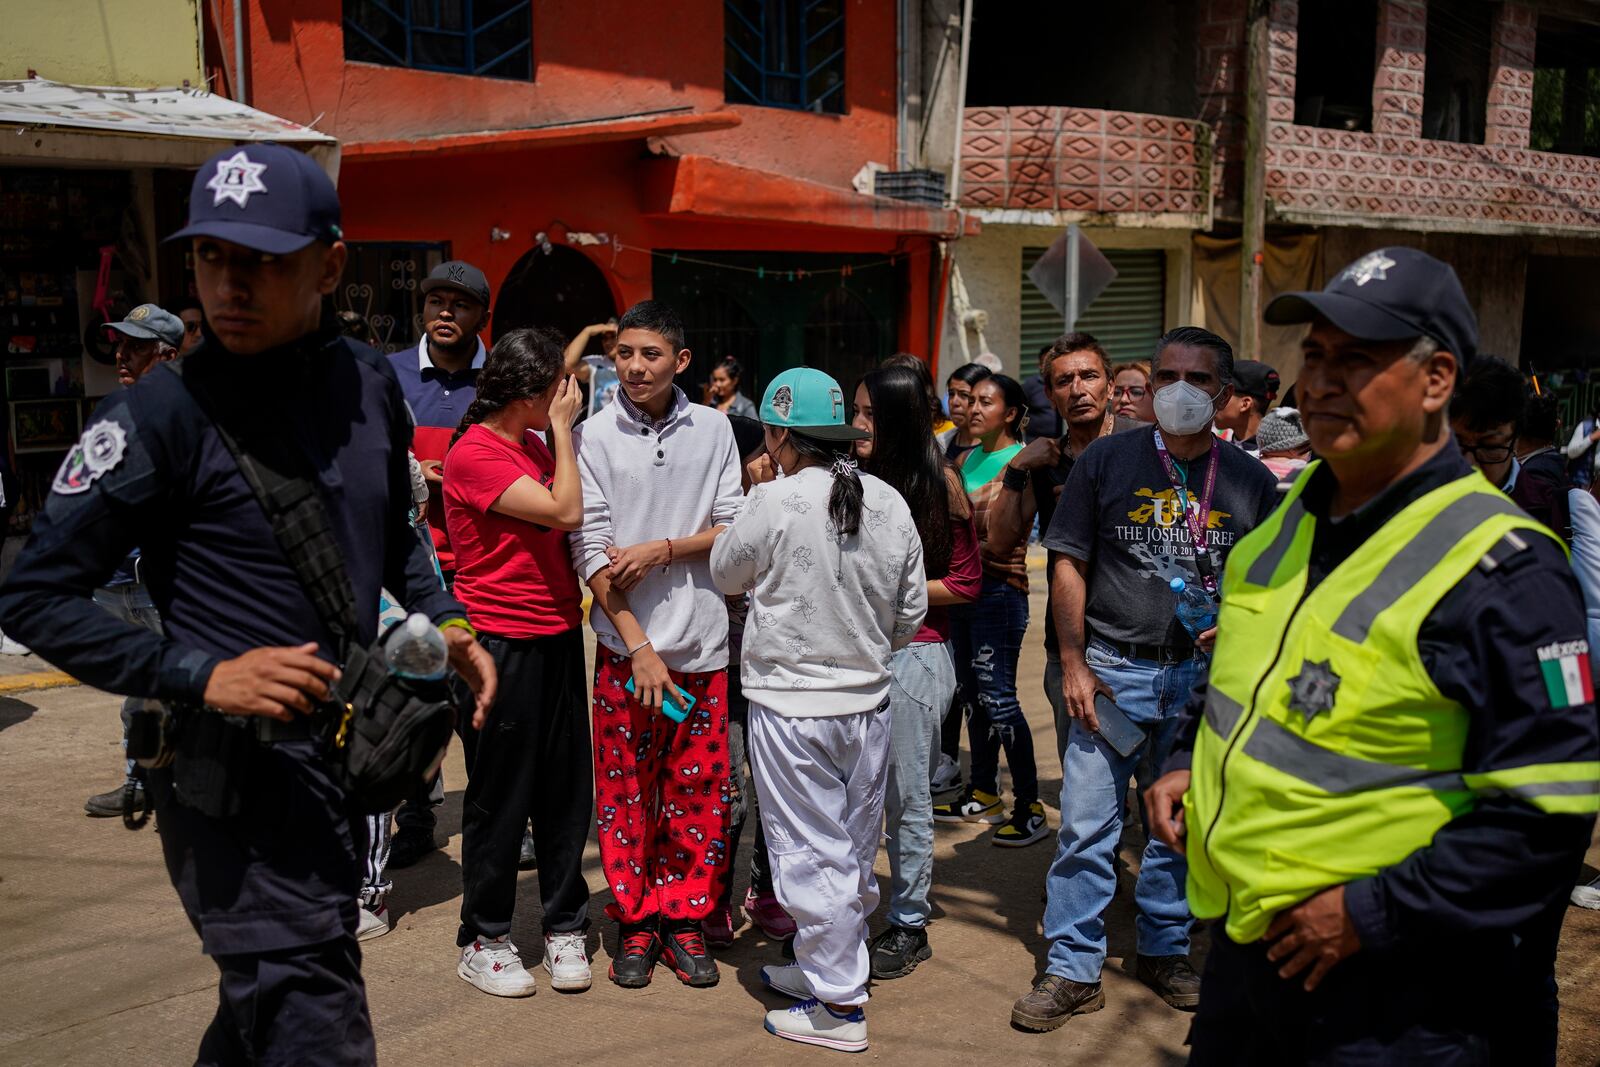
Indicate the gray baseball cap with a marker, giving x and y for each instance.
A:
(460, 275)
(147, 322)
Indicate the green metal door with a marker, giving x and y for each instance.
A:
(1127, 318)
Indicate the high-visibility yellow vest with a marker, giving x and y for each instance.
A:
(1326, 752)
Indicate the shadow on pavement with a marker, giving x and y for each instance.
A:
(13, 711)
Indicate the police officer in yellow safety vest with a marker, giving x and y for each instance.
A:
(1392, 783)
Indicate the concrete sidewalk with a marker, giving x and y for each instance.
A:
(99, 965)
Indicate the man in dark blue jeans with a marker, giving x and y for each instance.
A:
(1139, 509)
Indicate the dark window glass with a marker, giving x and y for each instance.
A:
(1566, 88)
(784, 53)
(487, 38)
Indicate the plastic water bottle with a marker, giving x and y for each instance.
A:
(1196, 610)
(416, 648)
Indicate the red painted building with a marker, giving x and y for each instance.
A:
(590, 154)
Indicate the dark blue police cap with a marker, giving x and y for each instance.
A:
(264, 196)
(1393, 294)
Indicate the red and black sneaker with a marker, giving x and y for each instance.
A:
(638, 949)
(684, 947)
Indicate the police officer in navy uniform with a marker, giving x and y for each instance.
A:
(1396, 771)
(269, 883)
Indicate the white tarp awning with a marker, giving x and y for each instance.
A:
(45, 121)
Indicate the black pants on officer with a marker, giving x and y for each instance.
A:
(271, 890)
(1389, 1011)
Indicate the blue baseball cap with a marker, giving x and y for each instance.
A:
(1392, 294)
(806, 400)
(264, 196)
(149, 322)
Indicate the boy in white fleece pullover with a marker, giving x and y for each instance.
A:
(833, 565)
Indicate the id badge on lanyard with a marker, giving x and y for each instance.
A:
(1199, 533)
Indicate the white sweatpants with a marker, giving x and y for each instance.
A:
(821, 783)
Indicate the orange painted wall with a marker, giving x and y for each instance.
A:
(592, 59)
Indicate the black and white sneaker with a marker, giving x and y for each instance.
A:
(1026, 825)
(897, 951)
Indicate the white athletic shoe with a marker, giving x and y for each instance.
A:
(812, 1022)
(494, 967)
(372, 923)
(947, 776)
(1587, 896)
(787, 980)
(567, 961)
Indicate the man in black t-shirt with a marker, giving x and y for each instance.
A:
(1139, 509)
(1078, 376)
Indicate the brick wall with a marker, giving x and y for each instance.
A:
(1397, 78)
(1219, 88)
(1076, 159)
(1510, 105)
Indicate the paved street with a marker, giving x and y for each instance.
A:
(99, 965)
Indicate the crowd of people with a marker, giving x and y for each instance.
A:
(796, 607)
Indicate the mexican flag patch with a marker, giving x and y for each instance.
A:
(1566, 673)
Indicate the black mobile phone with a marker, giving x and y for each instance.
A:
(1115, 726)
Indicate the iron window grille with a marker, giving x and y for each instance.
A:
(785, 53)
(483, 38)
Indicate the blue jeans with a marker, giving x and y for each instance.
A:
(1094, 790)
(985, 641)
(131, 603)
(922, 680)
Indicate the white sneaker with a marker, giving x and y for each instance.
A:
(947, 776)
(788, 980)
(372, 923)
(568, 962)
(1587, 896)
(814, 1023)
(494, 967)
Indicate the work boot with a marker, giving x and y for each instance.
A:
(684, 947)
(410, 844)
(897, 951)
(1173, 980)
(108, 805)
(1053, 1001)
(638, 948)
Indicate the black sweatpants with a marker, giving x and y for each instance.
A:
(296, 1006)
(1393, 1010)
(532, 758)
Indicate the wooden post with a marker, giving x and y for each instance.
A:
(1254, 205)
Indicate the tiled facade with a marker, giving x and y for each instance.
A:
(1114, 164)
(1086, 160)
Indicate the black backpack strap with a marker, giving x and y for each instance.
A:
(300, 525)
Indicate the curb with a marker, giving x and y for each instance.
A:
(21, 683)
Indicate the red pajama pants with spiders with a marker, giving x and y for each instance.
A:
(661, 795)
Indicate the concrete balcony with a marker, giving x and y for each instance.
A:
(1339, 178)
(1054, 165)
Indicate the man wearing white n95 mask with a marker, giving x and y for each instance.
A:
(1140, 509)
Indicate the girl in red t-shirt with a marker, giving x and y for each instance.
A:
(507, 500)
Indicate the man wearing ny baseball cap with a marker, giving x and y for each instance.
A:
(1400, 713)
(256, 833)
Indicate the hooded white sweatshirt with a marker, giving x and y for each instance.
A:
(825, 613)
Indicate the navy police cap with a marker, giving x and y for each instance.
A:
(1392, 294)
(264, 196)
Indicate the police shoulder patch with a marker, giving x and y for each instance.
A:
(97, 452)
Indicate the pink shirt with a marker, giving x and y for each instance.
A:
(965, 578)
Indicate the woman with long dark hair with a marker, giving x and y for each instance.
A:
(987, 635)
(507, 501)
(725, 394)
(833, 565)
(958, 393)
(891, 405)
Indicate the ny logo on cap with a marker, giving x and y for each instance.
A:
(236, 178)
(1370, 266)
(456, 272)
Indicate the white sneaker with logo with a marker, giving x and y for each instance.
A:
(812, 1022)
(567, 961)
(492, 964)
(946, 777)
(371, 924)
(787, 980)
(1587, 896)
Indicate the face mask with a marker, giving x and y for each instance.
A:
(1182, 408)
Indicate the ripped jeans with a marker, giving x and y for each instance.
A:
(985, 641)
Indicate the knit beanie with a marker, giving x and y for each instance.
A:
(1280, 431)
